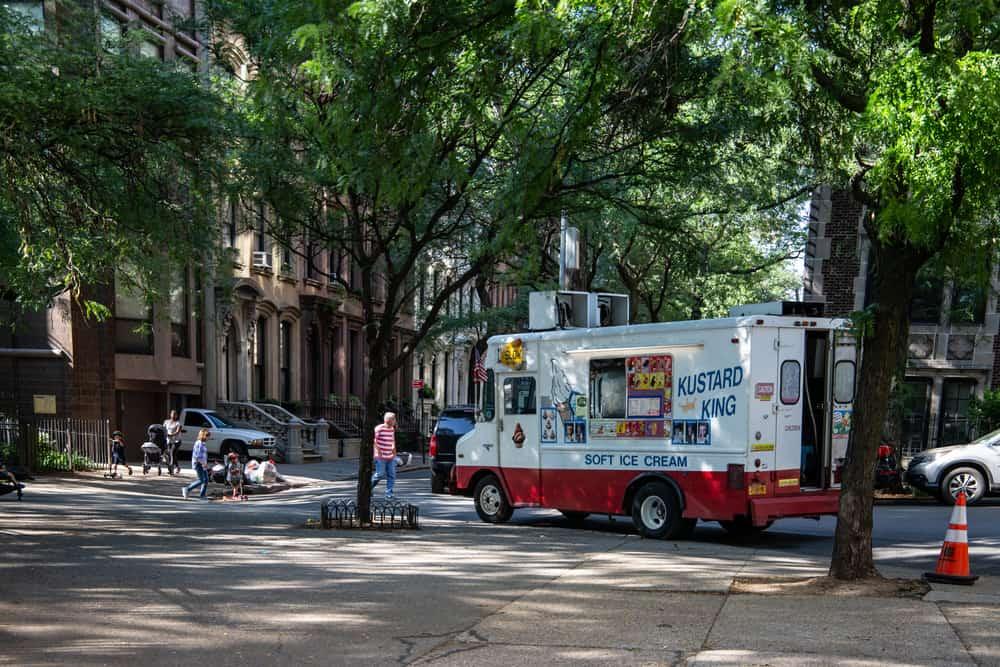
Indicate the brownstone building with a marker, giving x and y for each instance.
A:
(255, 321)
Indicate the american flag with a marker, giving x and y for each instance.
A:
(478, 370)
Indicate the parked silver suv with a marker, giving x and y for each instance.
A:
(973, 468)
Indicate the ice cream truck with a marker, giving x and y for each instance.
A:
(741, 420)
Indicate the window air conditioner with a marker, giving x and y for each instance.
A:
(263, 260)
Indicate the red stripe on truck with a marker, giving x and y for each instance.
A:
(706, 493)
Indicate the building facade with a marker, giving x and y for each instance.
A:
(251, 322)
(953, 344)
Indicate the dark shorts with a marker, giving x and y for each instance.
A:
(118, 458)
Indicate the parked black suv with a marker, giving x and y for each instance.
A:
(454, 422)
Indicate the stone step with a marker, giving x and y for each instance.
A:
(312, 457)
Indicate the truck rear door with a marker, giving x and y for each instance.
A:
(792, 452)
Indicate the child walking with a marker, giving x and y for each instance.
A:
(118, 453)
(199, 461)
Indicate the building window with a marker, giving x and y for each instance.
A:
(180, 304)
(260, 234)
(968, 304)
(334, 360)
(31, 14)
(310, 261)
(151, 49)
(925, 306)
(231, 217)
(955, 398)
(133, 319)
(112, 33)
(260, 360)
(287, 261)
(916, 407)
(285, 355)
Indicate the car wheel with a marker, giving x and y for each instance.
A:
(492, 505)
(656, 512)
(966, 479)
(437, 483)
(574, 518)
(742, 527)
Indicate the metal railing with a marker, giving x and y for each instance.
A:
(56, 444)
(349, 417)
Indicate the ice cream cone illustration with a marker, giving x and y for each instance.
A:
(518, 436)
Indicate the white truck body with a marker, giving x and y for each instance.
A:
(744, 418)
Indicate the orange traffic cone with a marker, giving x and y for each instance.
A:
(953, 563)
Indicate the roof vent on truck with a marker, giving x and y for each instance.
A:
(568, 310)
(800, 308)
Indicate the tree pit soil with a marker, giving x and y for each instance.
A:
(874, 587)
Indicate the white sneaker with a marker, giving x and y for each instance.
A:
(184, 492)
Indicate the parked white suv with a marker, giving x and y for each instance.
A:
(944, 471)
(225, 436)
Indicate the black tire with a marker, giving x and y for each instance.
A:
(656, 512)
(574, 518)
(964, 478)
(492, 505)
(742, 527)
(437, 484)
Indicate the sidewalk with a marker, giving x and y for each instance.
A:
(336, 470)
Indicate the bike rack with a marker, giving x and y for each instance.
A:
(383, 514)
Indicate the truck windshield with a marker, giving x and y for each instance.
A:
(218, 421)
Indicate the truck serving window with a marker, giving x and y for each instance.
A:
(519, 396)
(607, 389)
(791, 380)
(489, 397)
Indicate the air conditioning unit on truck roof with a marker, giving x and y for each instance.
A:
(570, 310)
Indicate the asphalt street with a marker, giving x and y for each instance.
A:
(126, 572)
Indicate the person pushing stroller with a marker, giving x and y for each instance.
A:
(173, 431)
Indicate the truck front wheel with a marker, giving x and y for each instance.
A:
(491, 502)
(657, 513)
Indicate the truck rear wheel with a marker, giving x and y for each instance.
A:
(656, 512)
(492, 505)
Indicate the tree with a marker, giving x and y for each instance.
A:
(398, 134)
(899, 103)
(106, 159)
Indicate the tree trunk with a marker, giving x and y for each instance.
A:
(373, 417)
(884, 346)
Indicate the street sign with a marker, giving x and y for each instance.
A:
(418, 384)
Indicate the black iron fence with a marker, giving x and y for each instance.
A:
(55, 444)
(348, 416)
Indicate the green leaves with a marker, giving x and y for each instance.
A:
(109, 160)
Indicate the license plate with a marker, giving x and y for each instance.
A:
(758, 489)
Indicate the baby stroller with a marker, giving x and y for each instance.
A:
(155, 451)
(170, 449)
